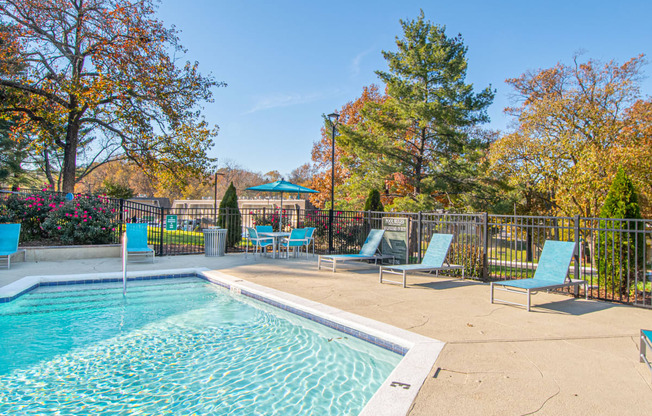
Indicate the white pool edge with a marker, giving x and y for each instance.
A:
(393, 398)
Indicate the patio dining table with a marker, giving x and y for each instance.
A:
(275, 235)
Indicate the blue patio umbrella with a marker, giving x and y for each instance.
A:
(282, 186)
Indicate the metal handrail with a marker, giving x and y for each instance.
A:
(124, 264)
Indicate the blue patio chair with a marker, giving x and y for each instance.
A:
(369, 251)
(646, 342)
(434, 260)
(296, 240)
(551, 273)
(257, 241)
(310, 239)
(264, 229)
(137, 242)
(9, 236)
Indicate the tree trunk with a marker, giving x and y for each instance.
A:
(70, 153)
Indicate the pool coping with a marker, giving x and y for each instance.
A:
(395, 395)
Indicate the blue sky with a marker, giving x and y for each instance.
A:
(288, 62)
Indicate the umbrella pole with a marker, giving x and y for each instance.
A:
(280, 221)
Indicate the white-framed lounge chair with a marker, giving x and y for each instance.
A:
(646, 342)
(310, 239)
(259, 243)
(137, 242)
(551, 273)
(434, 260)
(369, 251)
(9, 236)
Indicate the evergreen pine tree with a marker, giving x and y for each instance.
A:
(230, 217)
(373, 202)
(422, 132)
(617, 251)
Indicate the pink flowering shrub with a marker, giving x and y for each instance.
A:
(49, 216)
(81, 221)
(31, 211)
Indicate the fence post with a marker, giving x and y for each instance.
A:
(419, 223)
(122, 217)
(298, 214)
(578, 258)
(485, 246)
(161, 229)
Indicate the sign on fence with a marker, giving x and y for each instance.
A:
(170, 223)
(395, 239)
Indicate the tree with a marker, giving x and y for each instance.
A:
(12, 155)
(303, 175)
(422, 134)
(351, 179)
(373, 202)
(97, 83)
(575, 129)
(617, 251)
(125, 173)
(116, 190)
(230, 217)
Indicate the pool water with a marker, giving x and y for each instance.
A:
(176, 346)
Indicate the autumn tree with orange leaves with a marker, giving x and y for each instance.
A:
(350, 190)
(577, 125)
(96, 83)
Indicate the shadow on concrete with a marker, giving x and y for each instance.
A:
(571, 306)
(444, 283)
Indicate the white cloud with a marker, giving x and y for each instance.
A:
(357, 61)
(288, 100)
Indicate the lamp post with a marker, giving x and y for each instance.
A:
(217, 173)
(333, 117)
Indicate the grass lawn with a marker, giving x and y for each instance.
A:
(174, 237)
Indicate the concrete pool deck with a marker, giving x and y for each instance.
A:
(567, 356)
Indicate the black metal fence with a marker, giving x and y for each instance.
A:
(614, 255)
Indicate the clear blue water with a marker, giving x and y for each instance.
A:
(176, 346)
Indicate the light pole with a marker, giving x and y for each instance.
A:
(333, 117)
(217, 173)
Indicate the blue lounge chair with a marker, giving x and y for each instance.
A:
(296, 240)
(551, 273)
(369, 251)
(9, 236)
(434, 260)
(257, 241)
(646, 342)
(137, 242)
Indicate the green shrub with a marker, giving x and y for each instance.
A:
(31, 211)
(616, 250)
(373, 202)
(48, 216)
(84, 220)
(271, 219)
(230, 217)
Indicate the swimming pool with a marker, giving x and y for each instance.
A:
(176, 346)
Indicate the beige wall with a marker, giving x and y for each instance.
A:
(242, 203)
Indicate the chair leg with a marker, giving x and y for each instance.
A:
(528, 300)
(586, 291)
(643, 349)
(404, 279)
(319, 263)
(491, 296)
(380, 274)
